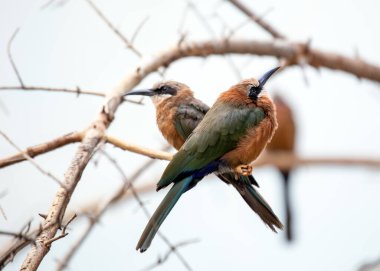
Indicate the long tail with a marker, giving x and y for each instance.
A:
(162, 212)
(257, 203)
(288, 209)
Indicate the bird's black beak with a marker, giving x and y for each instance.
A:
(266, 76)
(143, 92)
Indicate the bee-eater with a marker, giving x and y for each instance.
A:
(284, 140)
(232, 133)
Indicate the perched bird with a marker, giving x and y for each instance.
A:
(232, 133)
(284, 140)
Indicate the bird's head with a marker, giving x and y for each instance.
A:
(253, 87)
(162, 90)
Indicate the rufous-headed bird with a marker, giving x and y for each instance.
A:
(232, 133)
(284, 140)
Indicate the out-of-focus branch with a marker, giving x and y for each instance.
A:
(11, 58)
(41, 148)
(289, 160)
(257, 19)
(114, 29)
(161, 260)
(24, 238)
(31, 160)
(96, 131)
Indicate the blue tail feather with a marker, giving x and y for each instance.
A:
(162, 212)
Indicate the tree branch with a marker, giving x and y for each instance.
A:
(138, 149)
(42, 148)
(257, 19)
(114, 29)
(11, 58)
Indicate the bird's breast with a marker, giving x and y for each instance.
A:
(165, 115)
(253, 142)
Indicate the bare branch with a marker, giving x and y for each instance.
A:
(27, 237)
(138, 149)
(63, 233)
(45, 147)
(77, 90)
(11, 58)
(31, 160)
(258, 19)
(161, 260)
(114, 29)
(138, 29)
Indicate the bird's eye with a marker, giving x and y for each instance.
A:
(254, 92)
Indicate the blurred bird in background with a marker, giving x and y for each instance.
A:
(233, 133)
(283, 141)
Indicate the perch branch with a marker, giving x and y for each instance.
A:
(138, 149)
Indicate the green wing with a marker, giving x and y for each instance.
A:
(188, 116)
(218, 133)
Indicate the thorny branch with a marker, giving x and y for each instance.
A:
(41, 148)
(27, 237)
(78, 91)
(63, 233)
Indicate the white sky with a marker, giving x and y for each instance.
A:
(336, 208)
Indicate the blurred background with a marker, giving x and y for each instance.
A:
(336, 219)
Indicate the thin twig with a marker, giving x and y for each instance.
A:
(63, 233)
(78, 91)
(113, 28)
(161, 260)
(257, 19)
(138, 29)
(32, 161)
(11, 58)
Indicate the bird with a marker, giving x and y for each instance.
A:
(229, 136)
(284, 140)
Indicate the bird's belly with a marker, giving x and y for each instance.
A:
(251, 145)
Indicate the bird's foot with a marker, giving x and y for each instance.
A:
(244, 170)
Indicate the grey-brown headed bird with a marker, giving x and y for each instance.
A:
(284, 140)
(231, 134)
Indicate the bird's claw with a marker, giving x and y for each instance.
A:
(244, 170)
